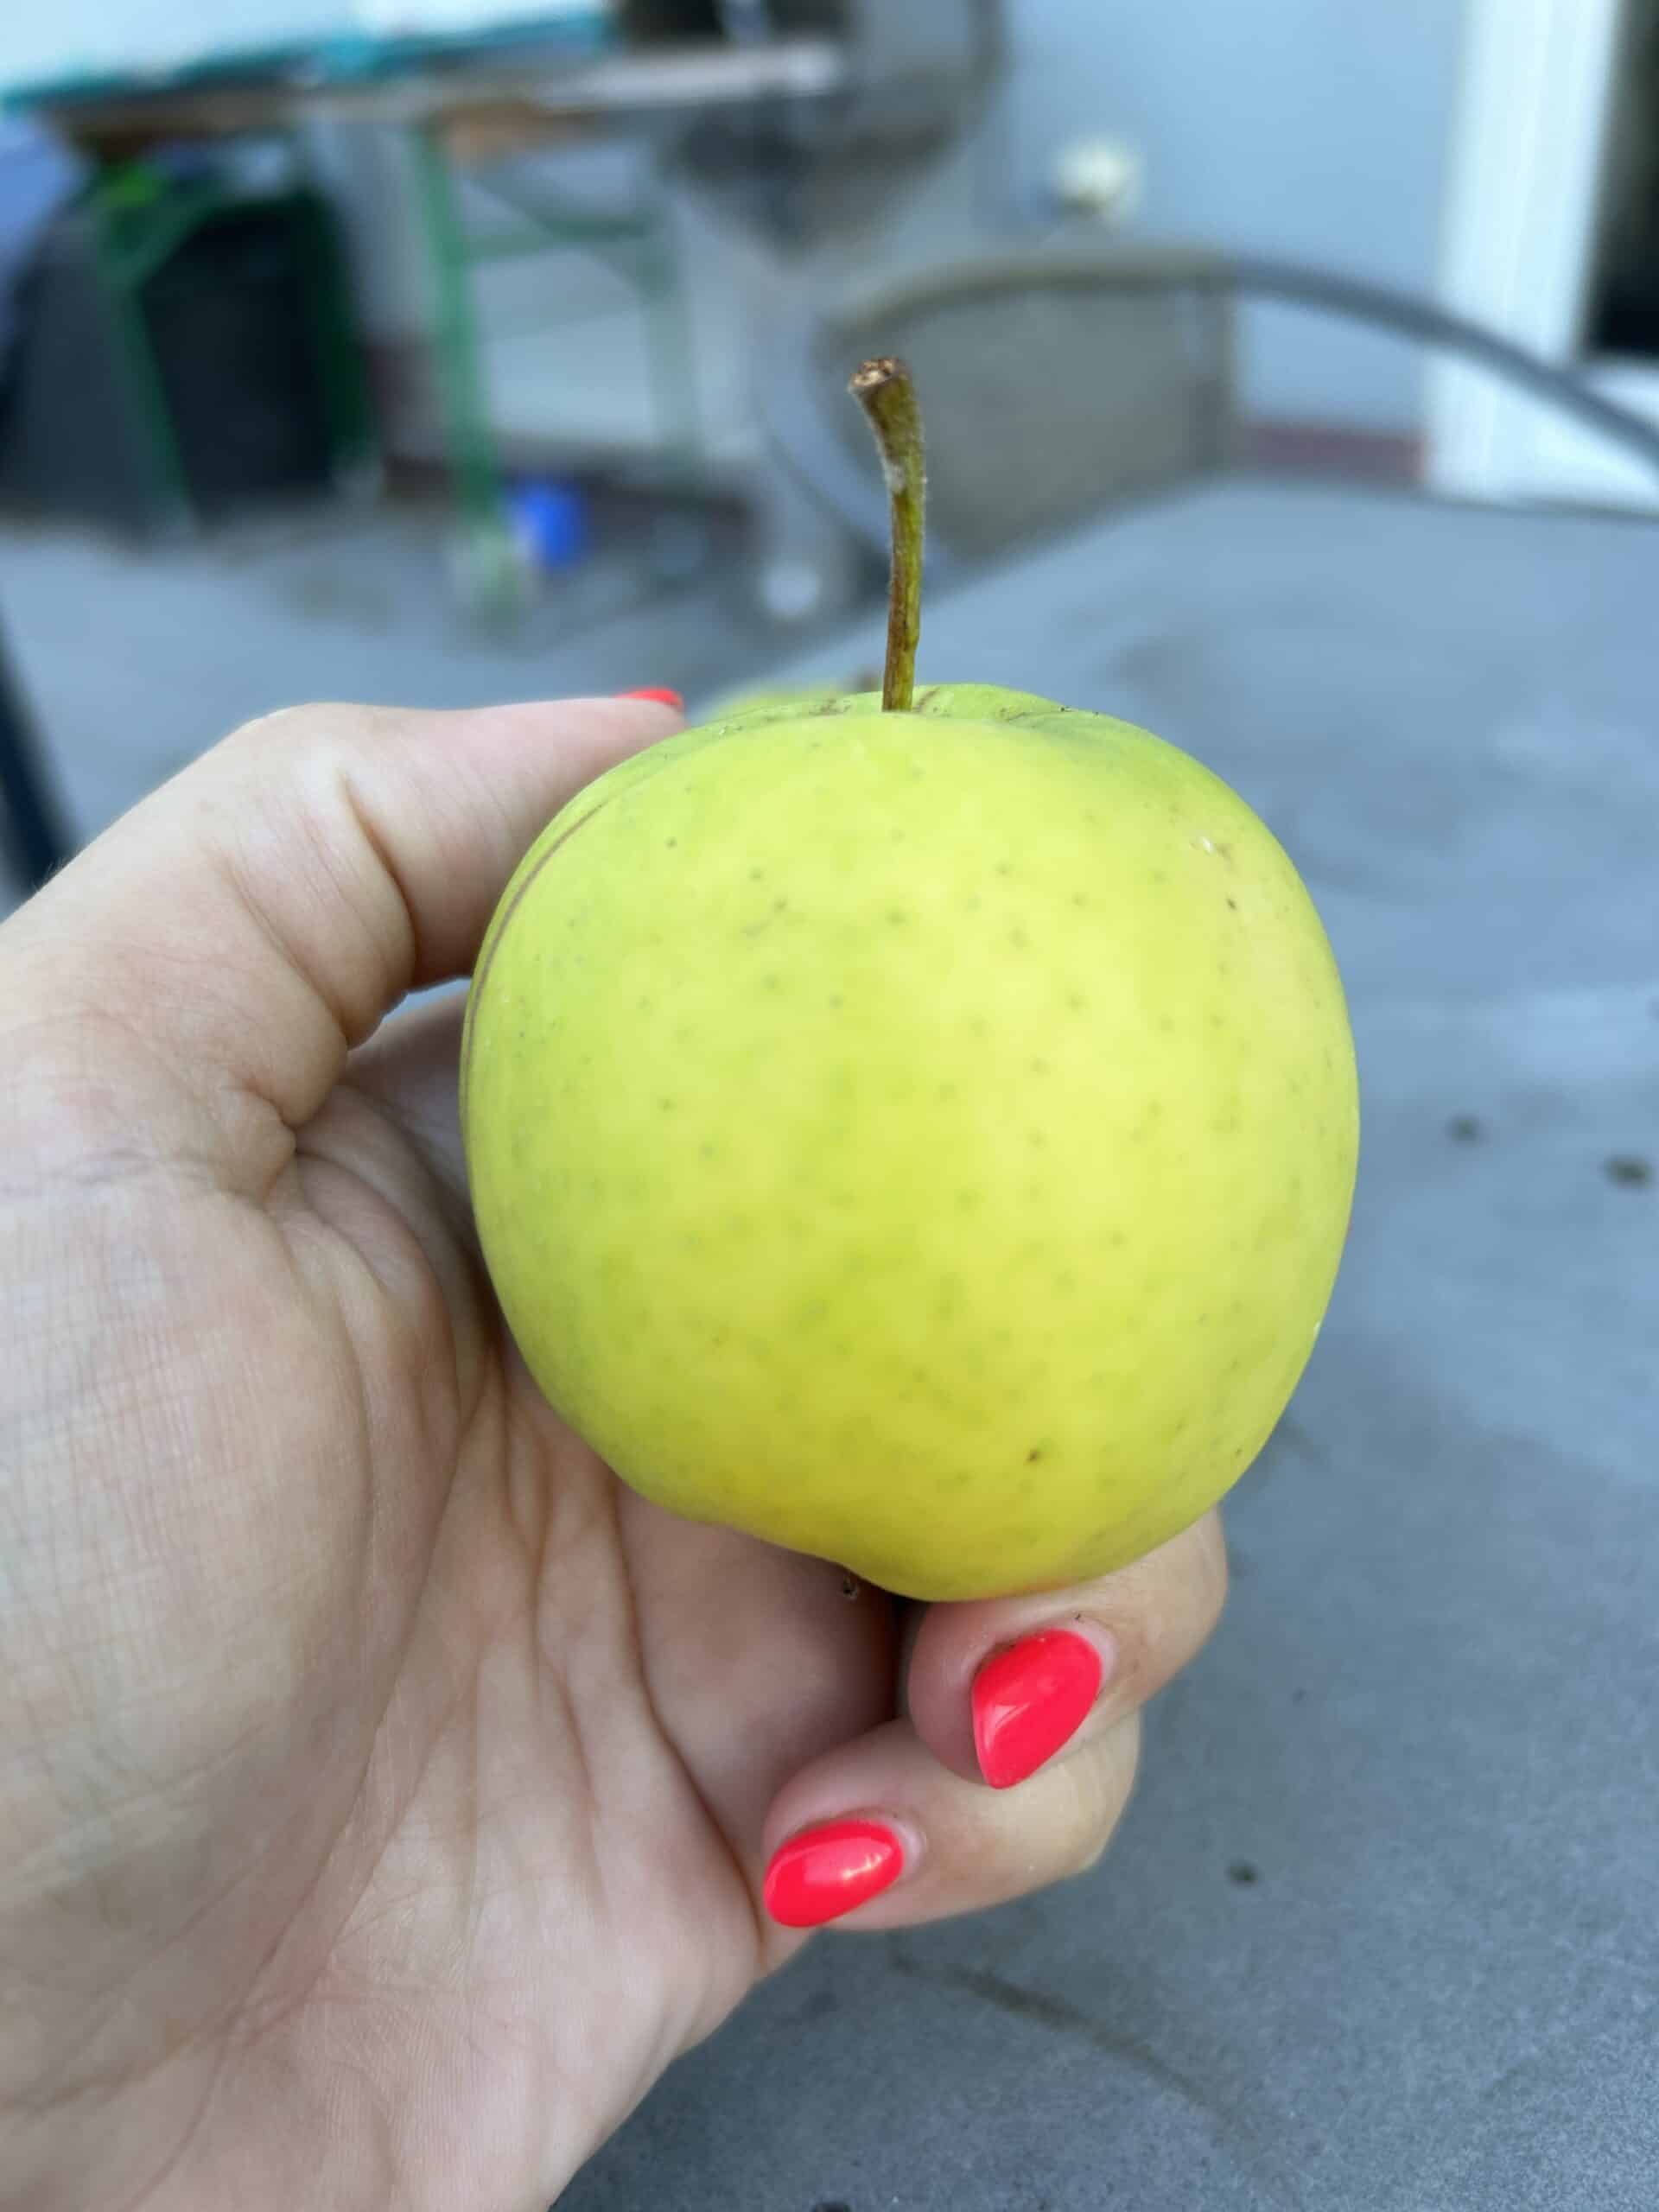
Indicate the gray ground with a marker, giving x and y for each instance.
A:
(134, 658)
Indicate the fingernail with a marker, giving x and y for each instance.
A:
(1030, 1700)
(825, 1871)
(660, 693)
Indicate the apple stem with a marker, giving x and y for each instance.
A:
(884, 389)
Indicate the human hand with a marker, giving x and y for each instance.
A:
(386, 1794)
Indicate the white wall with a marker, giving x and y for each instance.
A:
(1318, 129)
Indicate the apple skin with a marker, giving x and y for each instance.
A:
(745, 706)
(925, 1140)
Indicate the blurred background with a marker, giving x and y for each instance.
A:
(438, 351)
(1291, 370)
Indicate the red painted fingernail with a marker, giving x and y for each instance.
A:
(660, 693)
(1030, 1700)
(824, 1872)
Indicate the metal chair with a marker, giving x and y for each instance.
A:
(1060, 380)
(1053, 382)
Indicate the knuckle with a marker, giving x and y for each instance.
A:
(1053, 1829)
(280, 727)
(1209, 1572)
(1102, 1781)
(1174, 1605)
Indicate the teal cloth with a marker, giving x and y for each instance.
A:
(350, 58)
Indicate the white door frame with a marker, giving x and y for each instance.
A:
(1523, 202)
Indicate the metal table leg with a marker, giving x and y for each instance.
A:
(34, 837)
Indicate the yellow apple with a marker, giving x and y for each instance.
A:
(921, 1138)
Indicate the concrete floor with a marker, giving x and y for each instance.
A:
(135, 659)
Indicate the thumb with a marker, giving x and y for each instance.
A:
(256, 917)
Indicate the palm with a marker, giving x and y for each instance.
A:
(555, 1715)
(484, 1770)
